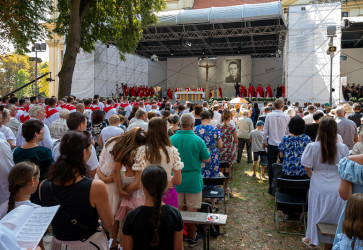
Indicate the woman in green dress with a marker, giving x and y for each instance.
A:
(33, 132)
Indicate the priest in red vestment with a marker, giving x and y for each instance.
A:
(251, 91)
(243, 91)
(170, 93)
(133, 91)
(220, 92)
(268, 91)
(283, 91)
(259, 91)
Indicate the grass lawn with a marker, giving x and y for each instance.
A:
(250, 223)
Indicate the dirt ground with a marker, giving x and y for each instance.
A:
(250, 223)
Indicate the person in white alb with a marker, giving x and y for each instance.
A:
(141, 118)
(51, 112)
(110, 131)
(109, 109)
(276, 127)
(78, 121)
(128, 108)
(36, 112)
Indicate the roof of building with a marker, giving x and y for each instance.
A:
(242, 29)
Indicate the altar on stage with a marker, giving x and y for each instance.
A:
(189, 95)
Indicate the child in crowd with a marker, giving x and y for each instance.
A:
(23, 181)
(154, 225)
(256, 138)
(352, 227)
(127, 180)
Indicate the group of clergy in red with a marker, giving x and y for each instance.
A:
(258, 92)
(140, 91)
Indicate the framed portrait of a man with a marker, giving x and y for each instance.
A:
(233, 70)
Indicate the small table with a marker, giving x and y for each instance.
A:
(201, 219)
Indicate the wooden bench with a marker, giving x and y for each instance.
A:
(201, 219)
(326, 229)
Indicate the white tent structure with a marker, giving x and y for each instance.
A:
(307, 67)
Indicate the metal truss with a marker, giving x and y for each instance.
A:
(213, 46)
(170, 35)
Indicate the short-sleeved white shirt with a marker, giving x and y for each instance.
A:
(9, 134)
(109, 132)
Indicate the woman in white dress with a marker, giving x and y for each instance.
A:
(320, 160)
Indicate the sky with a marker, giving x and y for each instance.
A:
(43, 55)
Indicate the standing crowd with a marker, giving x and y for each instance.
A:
(126, 163)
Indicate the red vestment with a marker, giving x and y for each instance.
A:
(283, 90)
(260, 91)
(251, 91)
(268, 91)
(170, 93)
(243, 91)
(133, 91)
(220, 92)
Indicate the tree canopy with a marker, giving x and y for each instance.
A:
(16, 71)
(85, 22)
(20, 23)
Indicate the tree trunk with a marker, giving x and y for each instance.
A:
(73, 42)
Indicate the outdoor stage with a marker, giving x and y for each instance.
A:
(251, 37)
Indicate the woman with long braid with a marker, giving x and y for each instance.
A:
(154, 225)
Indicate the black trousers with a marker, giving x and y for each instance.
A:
(241, 144)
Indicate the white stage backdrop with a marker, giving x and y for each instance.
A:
(308, 65)
(267, 71)
(99, 71)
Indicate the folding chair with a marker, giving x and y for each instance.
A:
(215, 191)
(277, 173)
(293, 199)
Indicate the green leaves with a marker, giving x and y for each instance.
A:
(20, 22)
(119, 22)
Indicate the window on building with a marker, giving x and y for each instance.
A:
(344, 14)
(286, 10)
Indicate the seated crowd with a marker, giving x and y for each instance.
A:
(125, 163)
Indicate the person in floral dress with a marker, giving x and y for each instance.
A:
(212, 138)
(227, 154)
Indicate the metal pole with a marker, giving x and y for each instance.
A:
(36, 73)
(331, 79)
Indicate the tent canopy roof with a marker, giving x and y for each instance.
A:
(352, 36)
(252, 29)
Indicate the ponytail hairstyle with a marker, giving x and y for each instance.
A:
(70, 162)
(226, 115)
(352, 224)
(155, 180)
(20, 175)
(327, 135)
